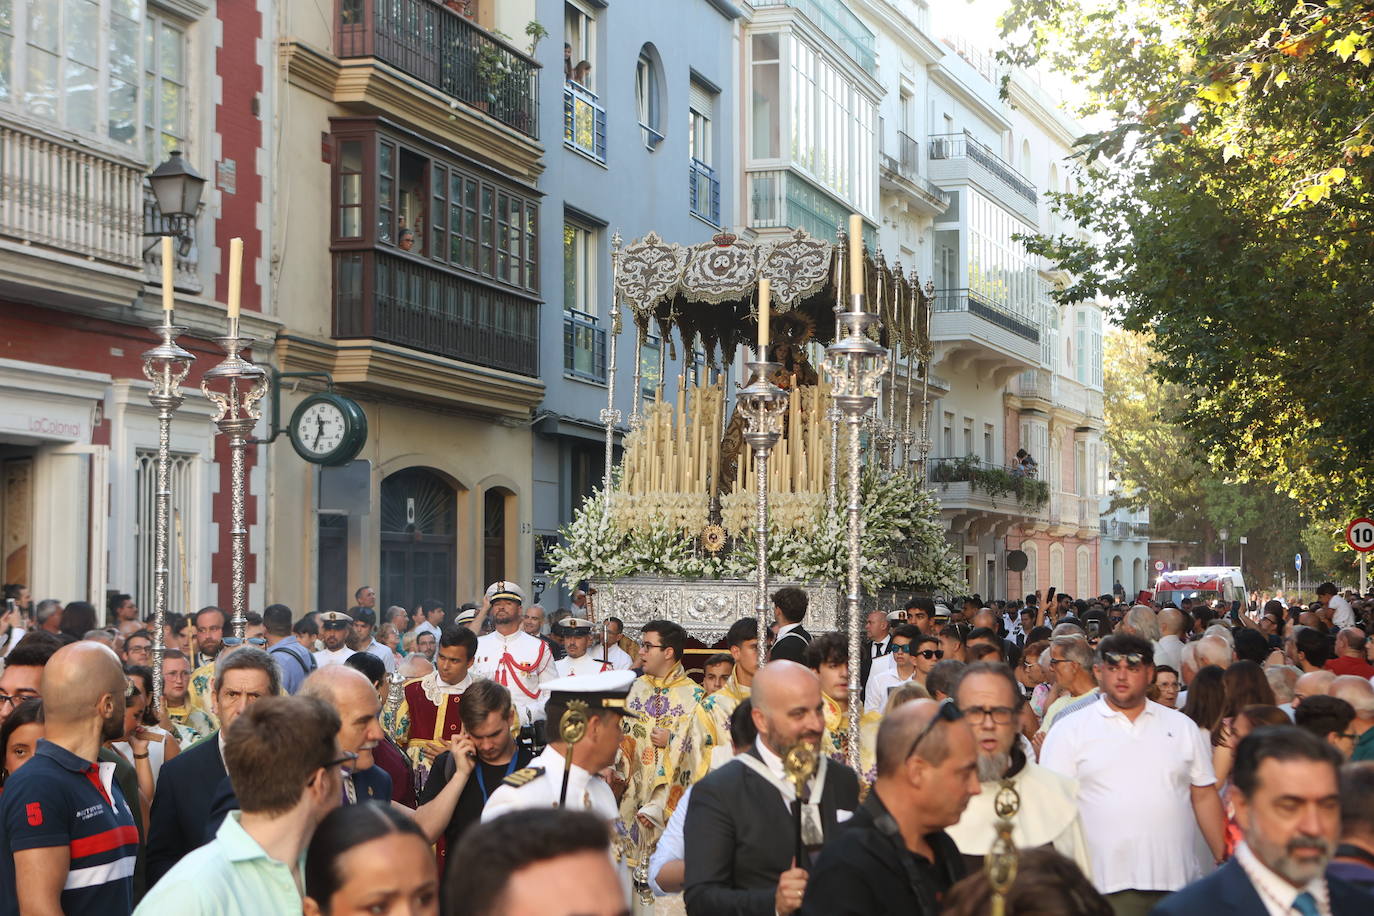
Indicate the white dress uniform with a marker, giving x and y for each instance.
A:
(522, 664)
(620, 659)
(569, 666)
(539, 785)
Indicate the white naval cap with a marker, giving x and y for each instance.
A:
(505, 591)
(604, 690)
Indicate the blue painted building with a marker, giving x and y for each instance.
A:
(639, 113)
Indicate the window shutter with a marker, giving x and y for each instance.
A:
(700, 99)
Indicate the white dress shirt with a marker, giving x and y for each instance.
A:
(427, 627)
(1135, 784)
(586, 791)
(880, 684)
(1277, 894)
(326, 657)
(384, 653)
(880, 647)
(1342, 614)
(671, 845)
(1169, 651)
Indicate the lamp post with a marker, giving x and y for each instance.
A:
(855, 363)
(1223, 534)
(177, 189)
(610, 415)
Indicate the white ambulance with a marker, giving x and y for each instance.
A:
(1201, 583)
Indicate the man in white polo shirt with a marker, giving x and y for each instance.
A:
(1144, 775)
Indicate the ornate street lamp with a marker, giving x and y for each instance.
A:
(177, 189)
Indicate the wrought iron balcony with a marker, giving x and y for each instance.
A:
(584, 346)
(703, 192)
(964, 300)
(584, 121)
(427, 40)
(57, 194)
(405, 301)
(965, 146)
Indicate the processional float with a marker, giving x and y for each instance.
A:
(722, 493)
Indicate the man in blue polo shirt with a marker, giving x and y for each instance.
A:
(68, 843)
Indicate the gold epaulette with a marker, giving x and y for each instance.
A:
(522, 777)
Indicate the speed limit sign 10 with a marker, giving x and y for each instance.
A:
(1359, 534)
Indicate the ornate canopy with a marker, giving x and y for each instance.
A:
(708, 291)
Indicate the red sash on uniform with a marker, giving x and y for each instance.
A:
(508, 664)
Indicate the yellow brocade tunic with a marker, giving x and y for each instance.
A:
(651, 788)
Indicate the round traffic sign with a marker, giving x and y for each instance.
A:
(1359, 534)
(1159, 566)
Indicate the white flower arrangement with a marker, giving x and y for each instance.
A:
(903, 543)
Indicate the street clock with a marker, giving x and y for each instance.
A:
(328, 429)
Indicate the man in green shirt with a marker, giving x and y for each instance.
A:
(283, 760)
(1359, 693)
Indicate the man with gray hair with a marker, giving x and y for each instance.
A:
(1283, 680)
(1141, 621)
(48, 615)
(1072, 661)
(1213, 649)
(1359, 693)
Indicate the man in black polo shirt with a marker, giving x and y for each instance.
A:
(893, 856)
(487, 714)
(67, 837)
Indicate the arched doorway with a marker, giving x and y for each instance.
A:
(419, 542)
(1137, 576)
(1118, 570)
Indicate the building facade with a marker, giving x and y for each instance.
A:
(410, 271)
(640, 121)
(963, 173)
(93, 96)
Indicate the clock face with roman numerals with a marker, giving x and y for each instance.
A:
(328, 429)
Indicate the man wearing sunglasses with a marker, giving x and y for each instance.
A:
(1144, 776)
(284, 762)
(894, 857)
(913, 655)
(988, 697)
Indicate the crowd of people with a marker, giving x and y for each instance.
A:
(492, 759)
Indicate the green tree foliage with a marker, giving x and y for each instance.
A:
(1189, 501)
(1231, 203)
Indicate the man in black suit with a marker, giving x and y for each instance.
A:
(741, 850)
(1286, 795)
(877, 641)
(789, 608)
(193, 792)
(894, 857)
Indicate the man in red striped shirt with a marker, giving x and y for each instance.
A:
(68, 843)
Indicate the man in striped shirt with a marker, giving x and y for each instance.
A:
(68, 843)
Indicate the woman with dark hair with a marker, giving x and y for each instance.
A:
(19, 735)
(78, 619)
(370, 858)
(1206, 699)
(1046, 884)
(1246, 688)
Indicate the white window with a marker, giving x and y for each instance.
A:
(987, 444)
(1083, 581)
(579, 268)
(183, 468)
(1030, 576)
(1057, 566)
(647, 99)
(165, 115)
(579, 45)
(701, 103)
(948, 435)
(765, 121)
(75, 63)
(968, 436)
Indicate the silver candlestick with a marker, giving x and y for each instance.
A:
(610, 416)
(395, 692)
(762, 405)
(855, 363)
(237, 412)
(165, 365)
